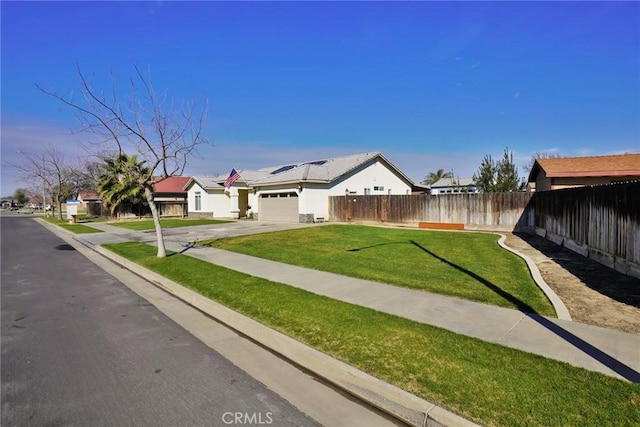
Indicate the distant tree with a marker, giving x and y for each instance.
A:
(84, 177)
(501, 176)
(435, 176)
(49, 171)
(540, 155)
(20, 196)
(485, 178)
(58, 172)
(507, 174)
(162, 133)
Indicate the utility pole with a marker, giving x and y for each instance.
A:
(44, 187)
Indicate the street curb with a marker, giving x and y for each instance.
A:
(400, 404)
(561, 310)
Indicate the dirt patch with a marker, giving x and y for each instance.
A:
(593, 294)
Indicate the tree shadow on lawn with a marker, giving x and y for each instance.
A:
(521, 305)
(596, 276)
(377, 245)
(615, 365)
(594, 352)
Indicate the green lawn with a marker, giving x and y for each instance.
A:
(488, 383)
(147, 224)
(74, 228)
(464, 265)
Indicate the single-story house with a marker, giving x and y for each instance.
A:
(91, 202)
(454, 186)
(171, 197)
(565, 172)
(296, 192)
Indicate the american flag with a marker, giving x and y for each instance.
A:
(233, 177)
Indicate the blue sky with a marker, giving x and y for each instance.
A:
(429, 84)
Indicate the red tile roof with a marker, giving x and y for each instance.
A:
(172, 184)
(615, 165)
(88, 195)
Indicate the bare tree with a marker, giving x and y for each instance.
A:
(162, 133)
(83, 176)
(539, 155)
(61, 177)
(46, 171)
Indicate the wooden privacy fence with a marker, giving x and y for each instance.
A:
(500, 211)
(600, 221)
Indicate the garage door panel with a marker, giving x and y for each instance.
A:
(278, 208)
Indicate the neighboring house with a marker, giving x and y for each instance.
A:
(91, 202)
(6, 204)
(297, 192)
(34, 203)
(171, 197)
(454, 186)
(564, 172)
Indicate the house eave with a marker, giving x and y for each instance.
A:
(592, 174)
(290, 183)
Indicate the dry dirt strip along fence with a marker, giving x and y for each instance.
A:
(601, 222)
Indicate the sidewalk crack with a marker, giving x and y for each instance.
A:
(510, 329)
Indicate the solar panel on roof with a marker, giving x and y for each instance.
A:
(317, 163)
(283, 169)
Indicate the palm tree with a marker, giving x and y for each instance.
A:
(435, 176)
(123, 181)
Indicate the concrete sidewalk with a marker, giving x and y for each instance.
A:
(608, 351)
(603, 350)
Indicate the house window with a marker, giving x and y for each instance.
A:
(376, 188)
(367, 191)
(198, 201)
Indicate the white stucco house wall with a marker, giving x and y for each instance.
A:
(297, 192)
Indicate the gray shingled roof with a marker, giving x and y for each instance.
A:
(209, 181)
(320, 171)
(317, 171)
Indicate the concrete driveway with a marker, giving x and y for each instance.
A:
(186, 235)
(231, 229)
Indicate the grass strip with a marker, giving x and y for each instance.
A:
(488, 383)
(464, 265)
(147, 224)
(74, 228)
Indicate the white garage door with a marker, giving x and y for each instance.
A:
(278, 207)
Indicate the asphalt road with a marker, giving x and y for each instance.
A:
(80, 348)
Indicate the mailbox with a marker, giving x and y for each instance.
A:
(72, 210)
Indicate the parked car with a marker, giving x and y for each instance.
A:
(25, 210)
